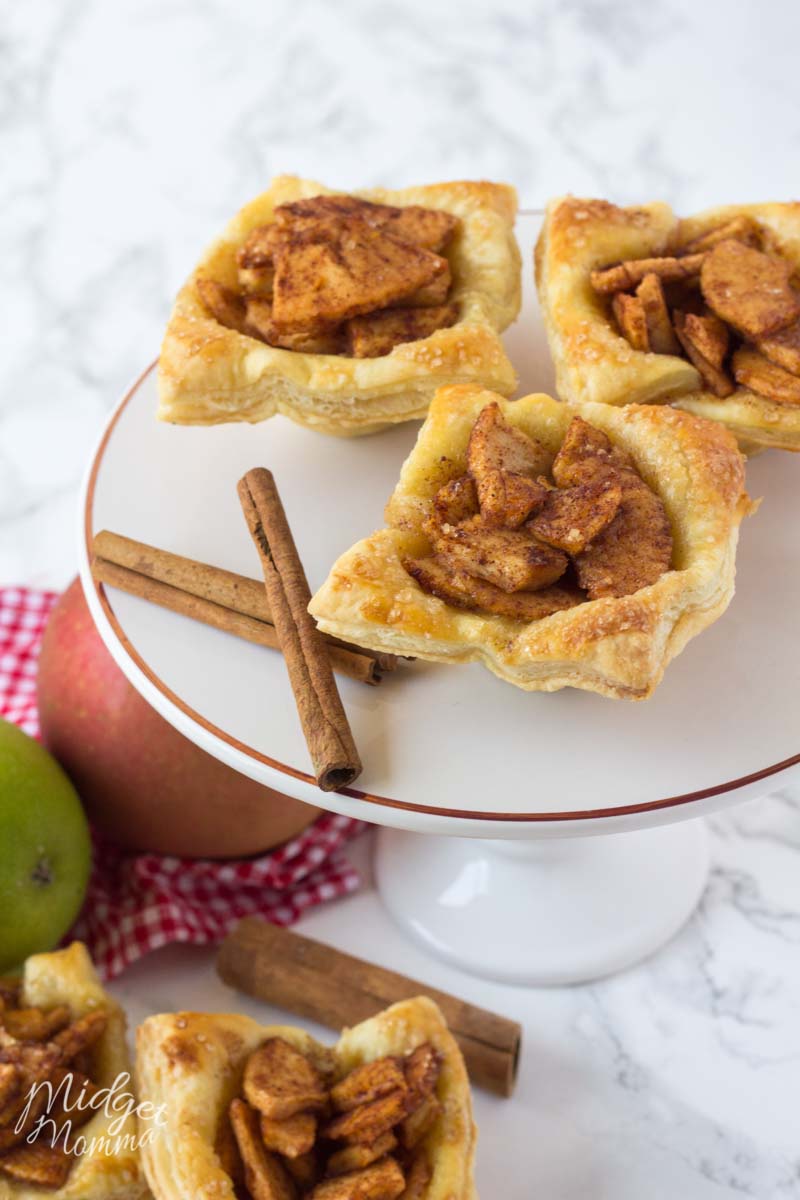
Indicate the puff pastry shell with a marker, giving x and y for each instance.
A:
(192, 1064)
(68, 977)
(617, 647)
(593, 360)
(209, 374)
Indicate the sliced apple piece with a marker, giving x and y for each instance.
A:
(456, 501)
(430, 228)
(434, 293)
(705, 340)
(368, 1121)
(368, 1082)
(460, 590)
(279, 1081)
(353, 270)
(783, 348)
(382, 1180)
(660, 334)
(510, 559)
(748, 289)
(505, 463)
(571, 518)
(421, 1068)
(378, 333)
(292, 1137)
(507, 499)
(634, 550)
(360, 1154)
(266, 1178)
(628, 275)
(583, 450)
(260, 323)
(754, 371)
(630, 317)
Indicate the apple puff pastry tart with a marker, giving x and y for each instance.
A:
(560, 547)
(641, 307)
(267, 1113)
(67, 1112)
(345, 312)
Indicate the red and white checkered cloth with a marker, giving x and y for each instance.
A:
(23, 616)
(137, 902)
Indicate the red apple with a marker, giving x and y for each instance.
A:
(142, 783)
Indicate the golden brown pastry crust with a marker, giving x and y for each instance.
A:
(68, 977)
(617, 647)
(209, 374)
(594, 362)
(192, 1064)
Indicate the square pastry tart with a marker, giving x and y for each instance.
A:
(641, 307)
(268, 1113)
(561, 547)
(345, 312)
(62, 1044)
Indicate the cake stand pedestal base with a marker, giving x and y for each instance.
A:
(543, 912)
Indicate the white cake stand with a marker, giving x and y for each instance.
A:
(510, 790)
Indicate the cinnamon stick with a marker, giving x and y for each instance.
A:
(227, 601)
(346, 662)
(327, 732)
(335, 989)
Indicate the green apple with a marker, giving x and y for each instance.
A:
(45, 851)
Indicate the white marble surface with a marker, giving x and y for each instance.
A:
(129, 131)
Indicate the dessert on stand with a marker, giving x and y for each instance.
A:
(493, 800)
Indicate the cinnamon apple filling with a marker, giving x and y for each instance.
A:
(46, 1088)
(339, 275)
(293, 1132)
(727, 301)
(522, 535)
